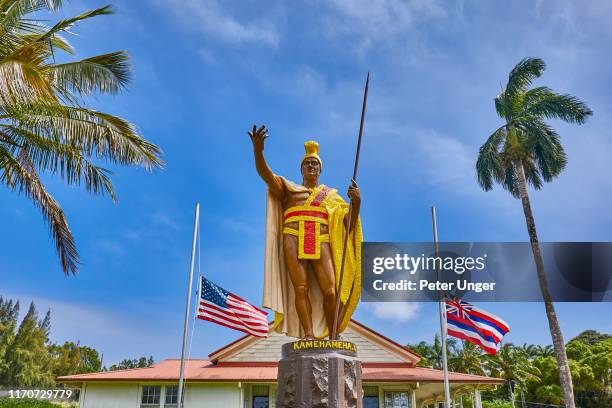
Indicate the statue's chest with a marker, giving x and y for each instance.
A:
(296, 198)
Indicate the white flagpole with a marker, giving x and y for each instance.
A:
(442, 307)
(188, 306)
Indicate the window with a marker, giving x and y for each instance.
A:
(150, 396)
(261, 396)
(171, 396)
(396, 399)
(370, 397)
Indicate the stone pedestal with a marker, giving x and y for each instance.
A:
(319, 374)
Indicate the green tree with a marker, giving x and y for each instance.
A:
(511, 364)
(526, 150)
(432, 353)
(424, 349)
(600, 362)
(141, 362)
(8, 322)
(550, 394)
(469, 359)
(72, 358)
(591, 368)
(45, 126)
(530, 350)
(27, 358)
(591, 337)
(535, 350)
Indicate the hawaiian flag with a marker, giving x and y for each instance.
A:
(219, 306)
(470, 323)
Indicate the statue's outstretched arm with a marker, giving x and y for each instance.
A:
(274, 182)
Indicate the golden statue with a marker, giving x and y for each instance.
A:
(305, 231)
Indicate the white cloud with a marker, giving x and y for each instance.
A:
(162, 219)
(449, 161)
(378, 20)
(399, 312)
(209, 17)
(110, 246)
(572, 16)
(238, 226)
(152, 225)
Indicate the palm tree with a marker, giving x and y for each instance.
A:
(546, 351)
(467, 360)
(530, 350)
(525, 149)
(511, 364)
(432, 353)
(44, 125)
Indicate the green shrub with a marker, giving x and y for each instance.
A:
(496, 404)
(26, 403)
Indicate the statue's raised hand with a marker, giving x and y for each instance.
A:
(258, 136)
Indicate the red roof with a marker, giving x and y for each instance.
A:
(206, 371)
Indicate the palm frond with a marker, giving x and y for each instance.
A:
(22, 83)
(56, 41)
(501, 106)
(535, 95)
(44, 127)
(489, 165)
(532, 174)
(510, 181)
(548, 104)
(48, 155)
(64, 25)
(12, 13)
(107, 73)
(19, 175)
(95, 133)
(546, 146)
(523, 74)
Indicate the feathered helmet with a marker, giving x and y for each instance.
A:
(312, 150)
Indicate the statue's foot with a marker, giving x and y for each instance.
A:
(309, 337)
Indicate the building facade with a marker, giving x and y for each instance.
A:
(243, 373)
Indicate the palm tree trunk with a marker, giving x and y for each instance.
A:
(511, 391)
(565, 376)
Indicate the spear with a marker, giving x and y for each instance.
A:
(350, 211)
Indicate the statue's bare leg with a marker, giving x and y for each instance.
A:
(298, 272)
(326, 278)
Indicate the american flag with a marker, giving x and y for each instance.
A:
(468, 322)
(217, 305)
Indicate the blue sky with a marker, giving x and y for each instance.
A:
(205, 71)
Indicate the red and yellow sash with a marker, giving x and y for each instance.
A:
(309, 217)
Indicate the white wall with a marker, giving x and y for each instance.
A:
(219, 395)
(105, 395)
